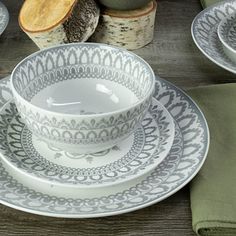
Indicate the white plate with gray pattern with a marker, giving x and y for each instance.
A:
(227, 35)
(184, 160)
(140, 153)
(4, 17)
(204, 33)
(227, 31)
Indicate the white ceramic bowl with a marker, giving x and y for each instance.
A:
(83, 97)
(227, 35)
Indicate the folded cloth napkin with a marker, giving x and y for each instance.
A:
(213, 190)
(207, 3)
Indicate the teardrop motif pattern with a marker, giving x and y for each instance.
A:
(204, 33)
(80, 61)
(172, 174)
(147, 149)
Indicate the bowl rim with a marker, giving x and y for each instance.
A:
(221, 36)
(17, 96)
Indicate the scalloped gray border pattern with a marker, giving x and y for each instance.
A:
(228, 31)
(181, 165)
(204, 33)
(4, 17)
(20, 151)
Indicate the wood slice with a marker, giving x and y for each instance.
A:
(52, 22)
(129, 29)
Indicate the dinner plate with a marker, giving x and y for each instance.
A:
(185, 159)
(4, 17)
(204, 33)
(140, 153)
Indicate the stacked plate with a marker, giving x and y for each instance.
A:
(166, 150)
(4, 17)
(214, 32)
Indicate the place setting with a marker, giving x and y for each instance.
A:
(91, 125)
(213, 31)
(72, 146)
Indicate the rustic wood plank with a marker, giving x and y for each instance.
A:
(173, 56)
(170, 217)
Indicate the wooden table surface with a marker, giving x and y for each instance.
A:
(173, 56)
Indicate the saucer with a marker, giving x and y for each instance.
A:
(140, 153)
(4, 17)
(183, 162)
(204, 33)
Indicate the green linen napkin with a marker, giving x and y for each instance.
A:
(207, 3)
(213, 190)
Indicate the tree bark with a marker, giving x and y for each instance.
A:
(77, 25)
(129, 29)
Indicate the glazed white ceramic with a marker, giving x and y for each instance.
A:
(204, 33)
(227, 35)
(124, 5)
(185, 159)
(84, 97)
(140, 153)
(4, 17)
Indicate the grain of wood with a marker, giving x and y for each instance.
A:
(173, 56)
(170, 217)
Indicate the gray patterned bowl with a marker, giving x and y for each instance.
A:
(83, 97)
(124, 4)
(227, 35)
